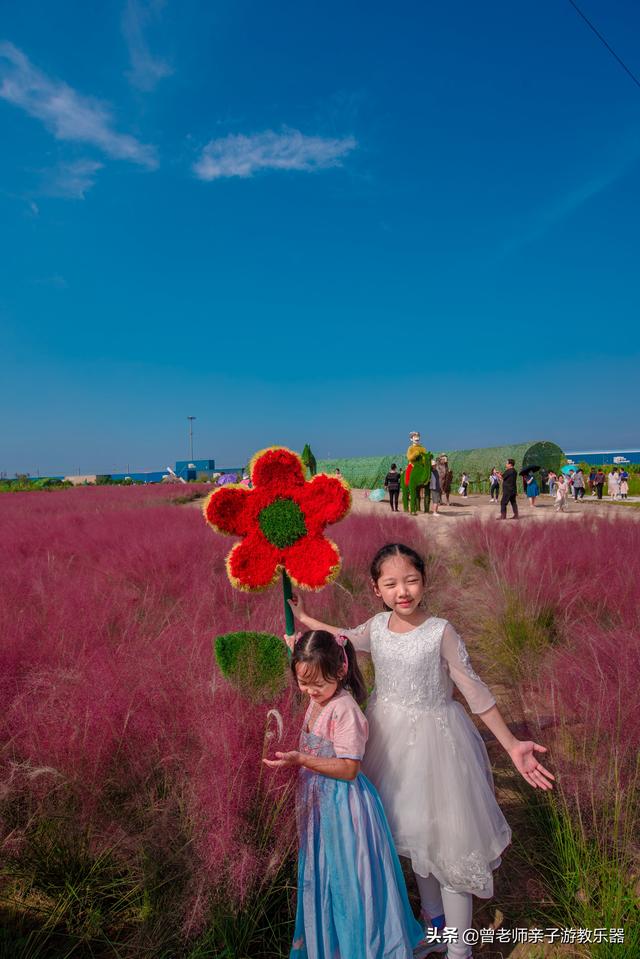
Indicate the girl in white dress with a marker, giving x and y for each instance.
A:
(424, 755)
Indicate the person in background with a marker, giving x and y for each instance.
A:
(578, 485)
(562, 494)
(613, 483)
(446, 477)
(392, 484)
(544, 481)
(533, 490)
(553, 479)
(337, 472)
(592, 481)
(624, 484)
(509, 490)
(494, 485)
(434, 488)
(598, 482)
(464, 485)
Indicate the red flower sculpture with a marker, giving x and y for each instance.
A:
(281, 521)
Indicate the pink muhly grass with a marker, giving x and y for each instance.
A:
(593, 684)
(582, 579)
(109, 602)
(586, 571)
(113, 712)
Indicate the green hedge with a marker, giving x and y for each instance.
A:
(368, 472)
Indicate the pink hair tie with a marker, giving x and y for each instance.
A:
(342, 642)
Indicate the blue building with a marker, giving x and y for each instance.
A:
(602, 457)
(190, 469)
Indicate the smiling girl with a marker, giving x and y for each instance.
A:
(424, 754)
(352, 899)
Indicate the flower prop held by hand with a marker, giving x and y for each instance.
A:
(281, 522)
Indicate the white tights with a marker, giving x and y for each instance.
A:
(457, 908)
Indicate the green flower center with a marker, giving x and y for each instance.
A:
(282, 522)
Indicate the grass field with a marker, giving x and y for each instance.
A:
(134, 815)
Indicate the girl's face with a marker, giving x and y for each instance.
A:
(400, 585)
(313, 683)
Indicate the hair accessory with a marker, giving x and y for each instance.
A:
(342, 642)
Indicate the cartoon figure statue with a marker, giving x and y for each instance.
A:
(416, 476)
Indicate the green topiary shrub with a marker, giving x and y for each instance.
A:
(309, 460)
(255, 663)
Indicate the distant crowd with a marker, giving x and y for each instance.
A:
(503, 485)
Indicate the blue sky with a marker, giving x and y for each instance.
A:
(315, 222)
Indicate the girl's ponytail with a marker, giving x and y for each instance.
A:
(354, 680)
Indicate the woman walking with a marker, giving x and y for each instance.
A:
(578, 485)
(434, 488)
(446, 476)
(494, 485)
(533, 490)
(392, 484)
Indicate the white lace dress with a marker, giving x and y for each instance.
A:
(425, 756)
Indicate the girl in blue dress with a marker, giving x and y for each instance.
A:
(352, 898)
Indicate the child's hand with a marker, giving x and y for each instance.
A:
(297, 606)
(284, 760)
(291, 640)
(523, 758)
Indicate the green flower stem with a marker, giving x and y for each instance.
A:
(288, 612)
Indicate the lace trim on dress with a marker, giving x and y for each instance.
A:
(471, 871)
(463, 656)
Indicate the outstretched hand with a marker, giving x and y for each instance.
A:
(284, 760)
(523, 758)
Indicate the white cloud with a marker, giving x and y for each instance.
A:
(239, 155)
(72, 180)
(146, 69)
(66, 113)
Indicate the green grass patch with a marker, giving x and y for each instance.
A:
(518, 637)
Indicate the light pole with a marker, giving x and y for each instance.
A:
(191, 419)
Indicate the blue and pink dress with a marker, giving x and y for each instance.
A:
(352, 898)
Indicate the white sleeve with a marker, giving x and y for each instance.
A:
(360, 636)
(454, 652)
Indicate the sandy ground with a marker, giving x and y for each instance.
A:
(462, 509)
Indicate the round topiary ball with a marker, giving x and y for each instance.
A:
(254, 663)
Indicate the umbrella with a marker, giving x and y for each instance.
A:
(528, 469)
(226, 478)
(568, 468)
